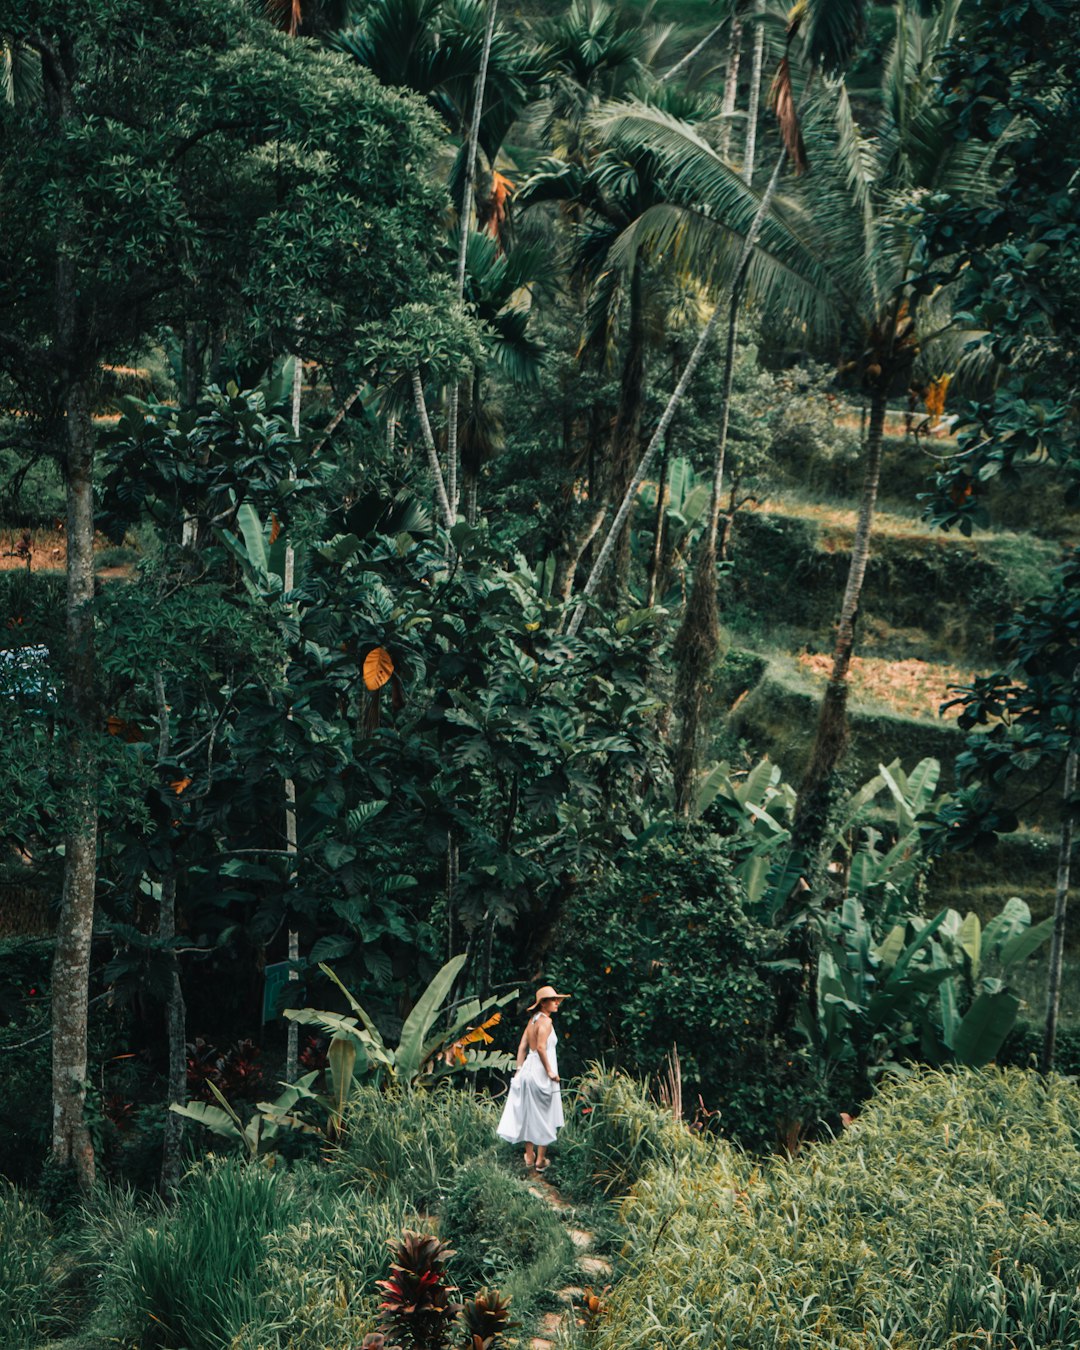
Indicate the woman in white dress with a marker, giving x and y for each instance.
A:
(533, 1113)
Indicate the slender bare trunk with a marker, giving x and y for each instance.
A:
(830, 741)
(626, 434)
(175, 1013)
(656, 561)
(731, 86)
(694, 51)
(754, 104)
(432, 453)
(1061, 901)
(292, 1049)
(71, 1142)
(697, 644)
(571, 550)
(465, 228)
(630, 495)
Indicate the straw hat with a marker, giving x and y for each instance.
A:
(546, 991)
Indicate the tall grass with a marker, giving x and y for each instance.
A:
(503, 1235)
(406, 1146)
(613, 1133)
(948, 1215)
(30, 1287)
(245, 1258)
(188, 1276)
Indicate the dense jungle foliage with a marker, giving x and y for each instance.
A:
(582, 494)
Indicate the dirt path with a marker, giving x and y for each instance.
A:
(593, 1269)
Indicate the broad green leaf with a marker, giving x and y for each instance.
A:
(984, 1027)
(251, 528)
(1021, 945)
(970, 940)
(419, 1021)
(213, 1117)
(889, 949)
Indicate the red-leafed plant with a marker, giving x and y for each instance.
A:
(484, 1319)
(417, 1308)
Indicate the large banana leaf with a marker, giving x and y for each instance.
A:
(984, 1027)
(409, 1056)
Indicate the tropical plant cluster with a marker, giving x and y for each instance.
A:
(452, 464)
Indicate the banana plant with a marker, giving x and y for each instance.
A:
(921, 991)
(422, 1053)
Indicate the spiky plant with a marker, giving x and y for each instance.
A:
(484, 1319)
(417, 1309)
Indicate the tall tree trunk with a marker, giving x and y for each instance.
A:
(292, 1049)
(754, 103)
(731, 85)
(432, 453)
(630, 495)
(831, 739)
(175, 1036)
(71, 1142)
(471, 450)
(464, 229)
(1061, 900)
(656, 560)
(626, 434)
(698, 642)
(172, 1164)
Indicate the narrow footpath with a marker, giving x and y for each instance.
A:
(594, 1271)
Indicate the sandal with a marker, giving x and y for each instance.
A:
(542, 1167)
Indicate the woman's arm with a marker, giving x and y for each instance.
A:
(543, 1031)
(522, 1049)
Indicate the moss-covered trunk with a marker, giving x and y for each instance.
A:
(831, 739)
(71, 1143)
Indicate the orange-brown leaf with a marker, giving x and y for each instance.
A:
(782, 102)
(378, 667)
(179, 785)
(275, 527)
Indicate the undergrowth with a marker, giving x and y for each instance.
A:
(949, 1214)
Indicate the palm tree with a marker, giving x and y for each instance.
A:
(838, 259)
(498, 288)
(436, 48)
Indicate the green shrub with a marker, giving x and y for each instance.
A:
(503, 1235)
(406, 1146)
(947, 1215)
(659, 952)
(30, 1297)
(614, 1133)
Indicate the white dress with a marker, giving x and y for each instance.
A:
(533, 1111)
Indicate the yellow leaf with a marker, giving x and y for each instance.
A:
(378, 667)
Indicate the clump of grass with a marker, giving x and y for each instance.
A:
(614, 1132)
(949, 1214)
(187, 1276)
(245, 1258)
(30, 1276)
(503, 1236)
(406, 1146)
